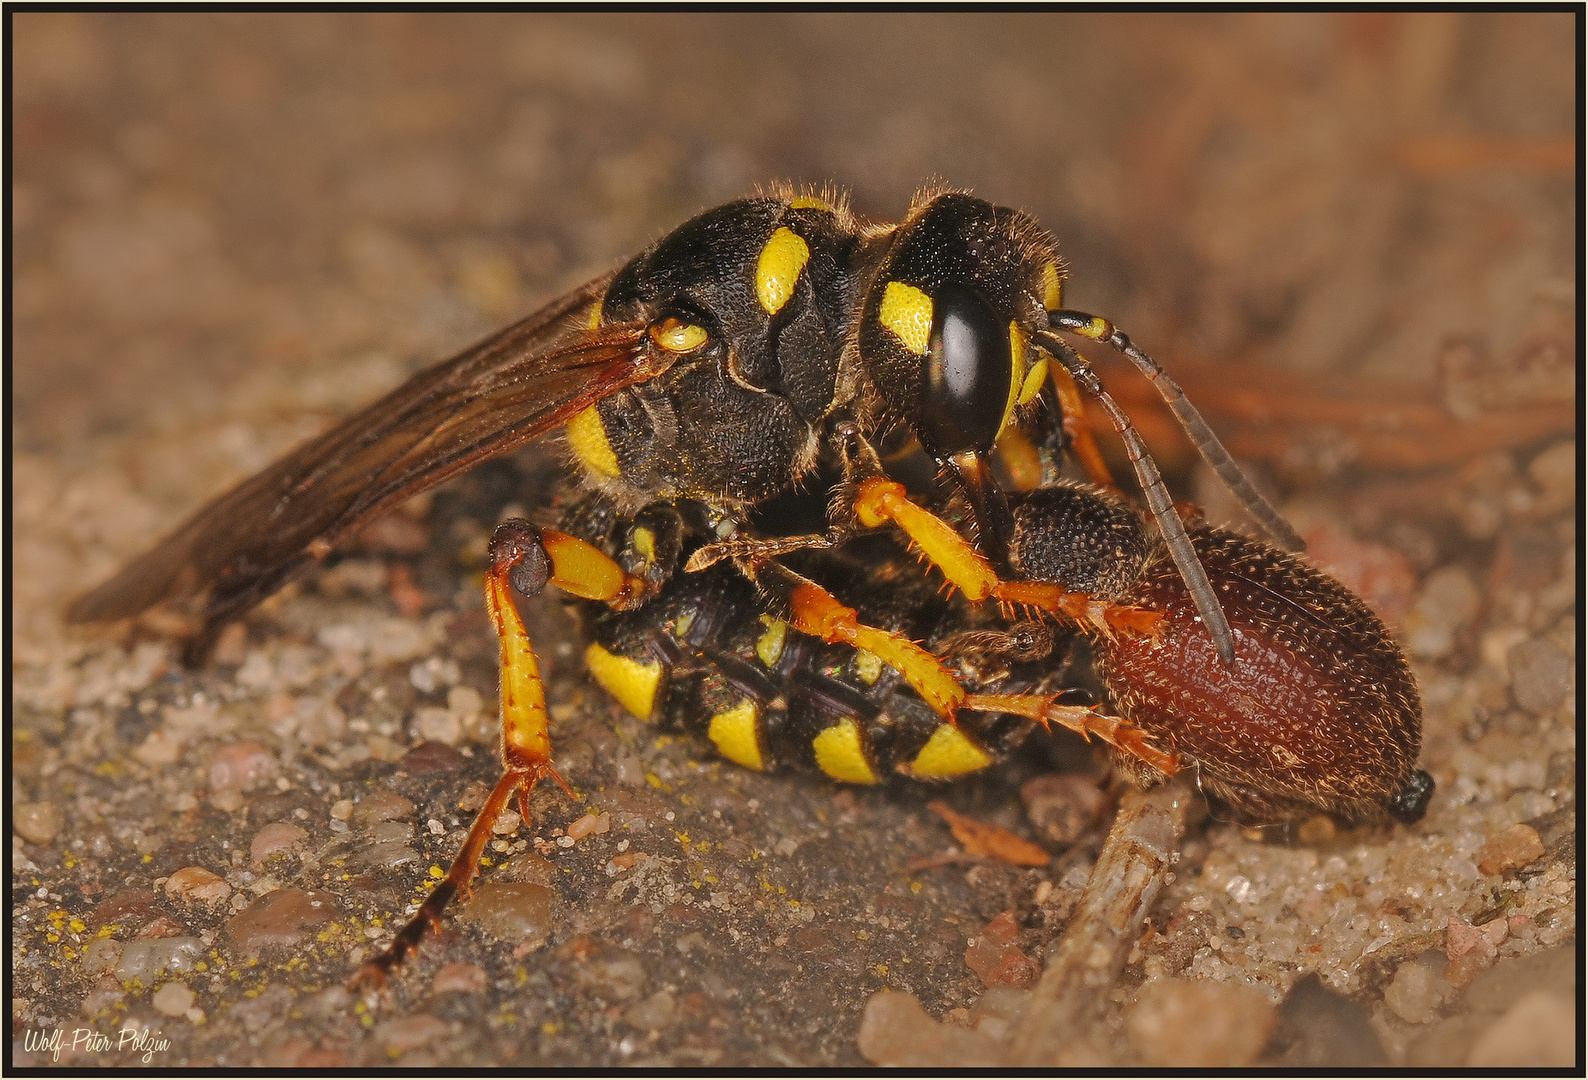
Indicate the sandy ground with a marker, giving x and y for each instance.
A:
(1353, 236)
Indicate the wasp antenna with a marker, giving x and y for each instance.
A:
(1196, 428)
(1158, 500)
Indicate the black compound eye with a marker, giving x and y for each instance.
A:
(966, 392)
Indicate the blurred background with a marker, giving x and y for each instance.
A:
(1352, 236)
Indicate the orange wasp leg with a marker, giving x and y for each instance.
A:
(526, 559)
(1045, 710)
(1082, 443)
(879, 500)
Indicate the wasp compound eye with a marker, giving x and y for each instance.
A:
(968, 374)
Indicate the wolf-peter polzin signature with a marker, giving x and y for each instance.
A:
(129, 1040)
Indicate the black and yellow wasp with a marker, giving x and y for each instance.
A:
(713, 372)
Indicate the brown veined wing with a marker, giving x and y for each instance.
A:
(515, 385)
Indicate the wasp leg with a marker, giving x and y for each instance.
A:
(1046, 710)
(879, 500)
(815, 611)
(523, 559)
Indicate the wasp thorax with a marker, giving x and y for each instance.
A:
(944, 330)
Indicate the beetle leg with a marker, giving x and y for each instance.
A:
(1046, 710)
(523, 559)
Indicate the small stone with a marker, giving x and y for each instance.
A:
(280, 920)
(227, 800)
(529, 866)
(438, 725)
(416, 1031)
(196, 885)
(652, 1013)
(37, 822)
(1509, 848)
(1199, 1025)
(276, 840)
(141, 961)
(161, 926)
(240, 766)
(458, 978)
(895, 1031)
(1063, 806)
(590, 823)
(514, 911)
(131, 906)
(1415, 993)
(107, 993)
(382, 806)
(506, 823)
(172, 999)
(231, 648)
(1538, 1032)
(100, 957)
(342, 809)
(432, 673)
(432, 759)
(995, 959)
(1542, 675)
(162, 747)
(1447, 603)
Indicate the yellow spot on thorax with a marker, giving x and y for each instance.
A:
(841, 755)
(1052, 287)
(631, 682)
(736, 732)
(868, 666)
(906, 312)
(677, 336)
(588, 437)
(778, 269)
(949, 752)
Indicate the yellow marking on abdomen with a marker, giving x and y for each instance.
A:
(631, 682)
(949, 752)
(808, 202)
(769, 646)
(906, 312)
(841, 755)
(588, 437)
(736, 732)
(778, 269)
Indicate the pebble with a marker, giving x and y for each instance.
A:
(895, 1031)
(141, 961)
(432, 673)
(590, 823)
(1555, 473)
(240, 766)
(1199, 1025)
(995, 959)
(1509, 849)
(431, 758)
(401, 1034)
(342, 809)
(652, 1013)
(382, 806)
(101, 957)
(280, 920)
(529, 866)
(516, 911)
(1063, 806)
(105, 994)
(128, 907)
(173, 999)
(438, 725)
(37, 822)
(1542, 675)
(506, 823)
(1538, 1032)
(1416, 993)
(1320, 1028)
(276, 840)
(389, 832)
(458, 978)
(1448, 601)
(196, 885)
(161, 926)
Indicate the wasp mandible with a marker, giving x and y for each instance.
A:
(714, 370)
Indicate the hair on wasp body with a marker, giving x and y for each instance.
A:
(716, 369)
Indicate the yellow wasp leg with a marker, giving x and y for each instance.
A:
(879, 500)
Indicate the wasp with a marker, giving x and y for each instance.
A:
(717, 370)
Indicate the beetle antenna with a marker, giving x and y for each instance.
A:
(1158, 500)
(1196, 428)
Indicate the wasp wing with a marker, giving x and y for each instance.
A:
(515, 385)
